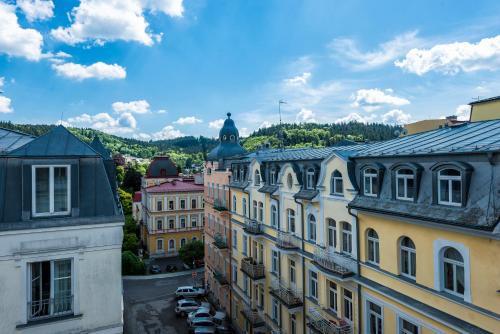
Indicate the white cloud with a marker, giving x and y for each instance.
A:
(56, 58)
(305, 116)
(298, 80)
(355, 117)
(16, 41)
(97, 70)
(373, 99)
(100, 21)
(463, 112)
(168, 132)
(396, 116)
(454, 57)
(125, 124)
(187, 120)
(136, 107)
(36, 9)
(217, 124)
(162, 111)
(5, 105)
(244, 132)
(346, 51)
(2, 81)
(142, 136)
(265, 124)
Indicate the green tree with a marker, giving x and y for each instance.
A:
(126, 200)
(132, 179)
(132, 264)
(130, 225)
(192, 250)
(120, 173)
(130, 243)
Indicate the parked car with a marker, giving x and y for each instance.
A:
(205, 330)
(189, 291)
(185, 306)
(201, 322)
(155, 269)
(204, 312)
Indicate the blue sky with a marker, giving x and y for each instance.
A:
(155, 69)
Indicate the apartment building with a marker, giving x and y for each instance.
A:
(172, 209)
(217, 230)
(60, 236)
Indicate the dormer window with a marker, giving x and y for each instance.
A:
(51, 193)
(370, 182)
(337, 186)
(272, 177)
(256, 180)
(232, 137)
(405, 184)
(310, 178)
(450, 187)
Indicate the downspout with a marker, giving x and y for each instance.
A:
(230, 254)
(358, 252)
(303, 266)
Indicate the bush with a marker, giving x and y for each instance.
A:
(192, 251)
(130, 243)
(126, 200)
(132, 264)
(130, 225)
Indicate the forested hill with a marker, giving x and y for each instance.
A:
(193, 149)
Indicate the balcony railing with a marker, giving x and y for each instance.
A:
(286, 240)
(220, 241)
(291, 297)
(336, 263)
(176, 229)
(324, 325)
(50, 307)
(220, 205)
(253, 317)
(221, 277)
(253, 227)
(253, 269)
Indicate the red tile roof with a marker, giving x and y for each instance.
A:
(175, 186)
(137, 196)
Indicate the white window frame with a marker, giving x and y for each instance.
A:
(313, 282)
(275, 262)
(274, 216)
(310, 178)
(245, 245)
(261, 212)
(375, 246)
(401, 330)
(334, 184)
(332, 232)
(405, 178)
(347, 235)
(158, 242)
(235, 203)
(292, 271)
(171, 248)
(449, 179)
(272, 177)
(235, 273)
(51, 191)
(347, 301)
(371, 177)
(235, 240)
(455, 264)
(369, 313)
(275, 310)
(333, 291)
(290, 217)
(312, 234)
(244, 206)
(408, 251)
(256, 181)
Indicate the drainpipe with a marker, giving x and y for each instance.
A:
(303, 267)
(358, 252)
(229, 244)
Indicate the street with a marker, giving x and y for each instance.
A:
(149, 305)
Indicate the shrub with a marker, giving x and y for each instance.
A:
(132, 264)
(126, 200)
(192, 251)
(130, 243)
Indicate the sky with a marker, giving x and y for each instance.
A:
(160, 69)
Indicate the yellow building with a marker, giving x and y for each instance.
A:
(172, 209)
(486, 109)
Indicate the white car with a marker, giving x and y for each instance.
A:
(204, 312)
(185, 306)
(189, 292)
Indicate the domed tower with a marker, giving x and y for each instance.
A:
(229, 142)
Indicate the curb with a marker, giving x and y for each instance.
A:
(166, 275)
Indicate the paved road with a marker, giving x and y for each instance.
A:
(149, 306)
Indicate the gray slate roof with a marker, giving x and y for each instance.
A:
(10, 140)
(99, 148)
(475, 137)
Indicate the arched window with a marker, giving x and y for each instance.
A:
(254, 207)
(453, 271)
(291, 220)
(370, 182)
(405, 184)
(289, 180)
(337, 184)
(183, 242)
(332, 233)
(274, 216)
(234, 203)
(159, 224)
(171, 244)
(159, 244)
(256, 180)
(346, 238)
(450, 187)
(408, 258)
(373, 247)
(244, 206)
(272, 176)
(261, 212)
(311, 227)
(194, 239)
(310, 178)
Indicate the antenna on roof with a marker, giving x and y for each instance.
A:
(280, 102)
(62, 115)
(477, 98)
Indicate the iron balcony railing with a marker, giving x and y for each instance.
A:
(287, 240)
(324, 325)
(50, 307)
(253, 269)
(220, 241)
(290, 296)
(220, 205)
(335, 262)
(221, 277)
(253, 317)
(252, 226)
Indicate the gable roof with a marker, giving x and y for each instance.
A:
(10, 140)
(57, 142)
(176, 186)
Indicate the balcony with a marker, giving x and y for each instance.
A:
(220, 241)
(50, 307)
(323, 325)
(290, 297)
(334, 264)
(253, 227)
(287, 241)
(220, 205)
(254, 270)
(253, 317)
(221, 278)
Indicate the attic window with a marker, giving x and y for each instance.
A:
(232, 137)
(272, 178)
(51, 190)
(370, 182)
(310, 178)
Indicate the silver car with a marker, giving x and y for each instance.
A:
(185, 306)
(189, 292)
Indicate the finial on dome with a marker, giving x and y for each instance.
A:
(228, 115)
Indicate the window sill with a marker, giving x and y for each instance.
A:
(312, 300)
(34, 323)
